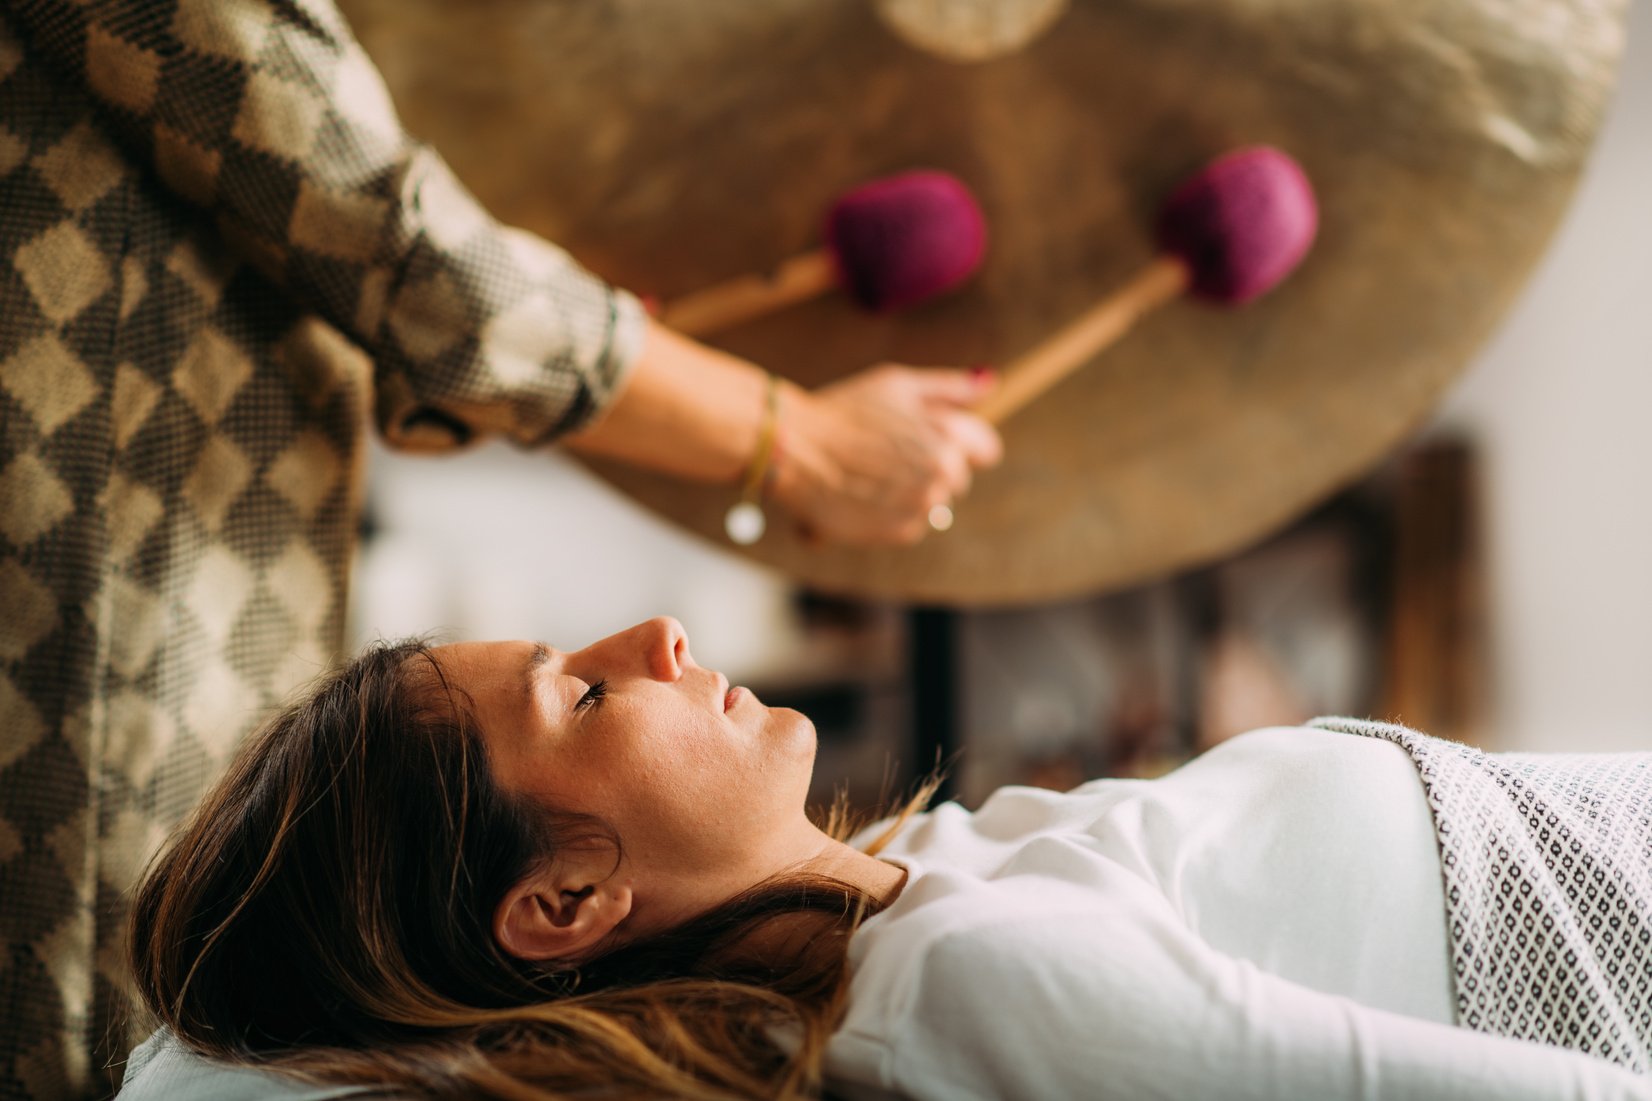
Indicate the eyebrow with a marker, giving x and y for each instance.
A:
(541, 654)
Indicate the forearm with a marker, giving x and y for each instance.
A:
(684, 409)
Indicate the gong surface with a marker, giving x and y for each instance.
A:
(669, 145)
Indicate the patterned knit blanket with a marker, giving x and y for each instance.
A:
(1547, 860)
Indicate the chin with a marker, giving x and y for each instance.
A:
(796, 731)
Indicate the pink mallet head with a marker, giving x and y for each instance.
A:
(904, 239)
(1241, 224)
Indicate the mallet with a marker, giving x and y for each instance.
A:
(1228, 234)
(890, 243)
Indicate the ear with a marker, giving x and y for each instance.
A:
(559, 914)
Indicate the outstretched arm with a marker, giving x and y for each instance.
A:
(268, 117)
(1050, 1007)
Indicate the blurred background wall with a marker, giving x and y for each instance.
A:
(1558, 404)
(1557, 581)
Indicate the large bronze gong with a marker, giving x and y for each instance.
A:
(673, 143)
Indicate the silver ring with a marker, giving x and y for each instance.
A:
(940, 517)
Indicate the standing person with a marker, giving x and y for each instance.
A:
(221, 253)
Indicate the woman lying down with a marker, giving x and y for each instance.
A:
(501, 870)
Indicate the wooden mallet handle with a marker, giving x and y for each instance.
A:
(726, 305)
(1080, 340)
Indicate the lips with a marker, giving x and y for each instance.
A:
(731, 696)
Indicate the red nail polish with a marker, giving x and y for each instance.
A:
(651, 303)
(982, 372)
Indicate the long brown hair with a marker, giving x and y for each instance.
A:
(327, 911)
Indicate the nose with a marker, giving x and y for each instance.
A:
(664, 647)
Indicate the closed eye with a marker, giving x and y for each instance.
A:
(593, 695)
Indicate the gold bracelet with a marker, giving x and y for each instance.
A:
(745, 522)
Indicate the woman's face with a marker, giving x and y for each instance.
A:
(704, 785)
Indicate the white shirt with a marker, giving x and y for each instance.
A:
(1267, 922)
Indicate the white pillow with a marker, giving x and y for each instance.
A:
(163, 1069)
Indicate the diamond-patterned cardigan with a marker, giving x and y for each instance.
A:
(217, 249)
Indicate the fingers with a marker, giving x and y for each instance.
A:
(964, 444)
(950, 394)
(886, 446)
(958, 444)
(978, 441)
(947, 386)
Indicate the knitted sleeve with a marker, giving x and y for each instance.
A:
(268, 116)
